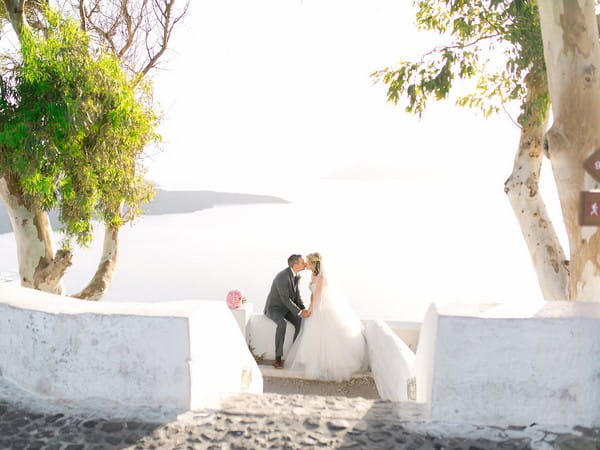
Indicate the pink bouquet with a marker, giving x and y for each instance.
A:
(235, 299)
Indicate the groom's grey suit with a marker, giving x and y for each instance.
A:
(284, 302)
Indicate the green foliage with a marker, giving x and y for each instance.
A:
(479, 30)
(73, 127)
(258, 358)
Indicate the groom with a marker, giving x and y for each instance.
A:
(284, 303)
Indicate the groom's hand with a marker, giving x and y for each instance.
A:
(304, 314)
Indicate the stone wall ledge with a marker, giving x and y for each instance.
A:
(260, 332)
(123, 359)
(507, 364)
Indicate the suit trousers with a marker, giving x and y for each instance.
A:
(280, 319)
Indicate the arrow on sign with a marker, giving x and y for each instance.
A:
(592, 165)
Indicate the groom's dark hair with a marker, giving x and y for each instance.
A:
(293, 259)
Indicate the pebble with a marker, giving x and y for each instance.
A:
(249, 421)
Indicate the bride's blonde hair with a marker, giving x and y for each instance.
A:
(315, 260)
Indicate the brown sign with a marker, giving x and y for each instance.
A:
(589, 208)
(592, 165)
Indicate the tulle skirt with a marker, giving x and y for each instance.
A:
(331, 345)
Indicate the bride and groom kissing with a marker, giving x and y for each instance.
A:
(328, 335)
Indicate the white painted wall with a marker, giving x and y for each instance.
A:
(242, 315)
(391, 361)
(407, 331)
(424, 361)
(503, 364)
(260, 333)
(123, 359)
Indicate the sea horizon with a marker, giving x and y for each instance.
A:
(393, 247)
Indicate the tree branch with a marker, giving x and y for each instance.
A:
(82, 17)
(167, 22)
(16, 15)
(460, 46)
(135, 31)
(102, 279)
(52, 274)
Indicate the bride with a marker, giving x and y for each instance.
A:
(331, 345)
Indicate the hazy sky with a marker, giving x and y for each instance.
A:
(262, 95)
(257, 93)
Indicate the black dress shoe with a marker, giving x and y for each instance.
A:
(278, 364)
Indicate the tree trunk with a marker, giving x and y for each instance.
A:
(39, 267)
(572, 55)
(15, 10)
(522, 188)
(108, 262)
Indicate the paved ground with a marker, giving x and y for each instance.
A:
(272, 420)
(280, 422)
(286, 381)
(357, 387)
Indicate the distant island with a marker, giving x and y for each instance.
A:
(174, 202)
(179, 202)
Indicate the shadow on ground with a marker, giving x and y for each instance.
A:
(276, 421)
(174, 202)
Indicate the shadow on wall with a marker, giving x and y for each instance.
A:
(173, 202)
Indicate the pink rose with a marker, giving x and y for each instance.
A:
(234, 299)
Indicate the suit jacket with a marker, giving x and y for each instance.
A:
(284, 295)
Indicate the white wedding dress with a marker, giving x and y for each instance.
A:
(331, 345)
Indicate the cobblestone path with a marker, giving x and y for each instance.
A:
(278, 422)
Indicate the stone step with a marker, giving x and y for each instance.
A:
(267, 370)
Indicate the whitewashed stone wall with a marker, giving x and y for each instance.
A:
(407, 331)
(260, 333)
(503, 365)
(123, 359)
(242, 316)
(391, 361)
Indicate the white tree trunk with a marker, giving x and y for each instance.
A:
(522, 188)
(105, 271)
(572, 54)
(38, 266)
(15, 9)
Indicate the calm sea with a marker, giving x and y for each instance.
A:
(393, 247)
